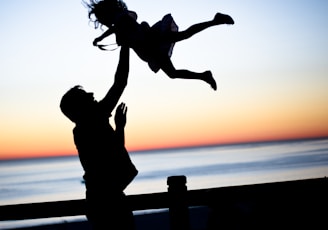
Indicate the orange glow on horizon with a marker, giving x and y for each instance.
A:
(160, 136)
(160, 145)
(268, 138)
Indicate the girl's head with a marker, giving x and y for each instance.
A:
(104, 11)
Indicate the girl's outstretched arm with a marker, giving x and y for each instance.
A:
(104, 35)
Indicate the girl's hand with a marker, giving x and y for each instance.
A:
(95, 42)
(102, 47)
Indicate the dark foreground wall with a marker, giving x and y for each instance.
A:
(298, 204)
(284, 205)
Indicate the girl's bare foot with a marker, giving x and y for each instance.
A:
(223, 19)
(209, 79)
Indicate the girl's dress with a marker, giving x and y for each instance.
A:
(167, 24)
(160, 28)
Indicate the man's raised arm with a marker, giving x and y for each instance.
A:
(113, 95)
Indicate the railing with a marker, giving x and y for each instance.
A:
(291, 203)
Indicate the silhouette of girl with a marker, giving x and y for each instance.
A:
(154, 44)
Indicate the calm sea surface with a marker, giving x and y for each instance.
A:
(54, 179)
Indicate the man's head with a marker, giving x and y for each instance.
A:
(76, 103)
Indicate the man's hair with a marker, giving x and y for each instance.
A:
(70, 103)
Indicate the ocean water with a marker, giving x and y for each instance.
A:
(54, 179)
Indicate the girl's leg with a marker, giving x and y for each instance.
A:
(173, 73)
(196, 28)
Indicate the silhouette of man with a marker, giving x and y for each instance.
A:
(107, 166)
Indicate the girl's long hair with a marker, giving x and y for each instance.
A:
(102, 9)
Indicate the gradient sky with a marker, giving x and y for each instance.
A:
(271, 69)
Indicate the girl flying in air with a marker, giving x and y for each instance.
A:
(153, 44)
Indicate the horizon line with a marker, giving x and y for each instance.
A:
(174, 148)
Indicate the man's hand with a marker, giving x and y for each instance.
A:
(120, 116)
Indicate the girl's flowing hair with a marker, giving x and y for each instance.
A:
(101, 10)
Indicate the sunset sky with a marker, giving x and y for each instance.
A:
(271, 68)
